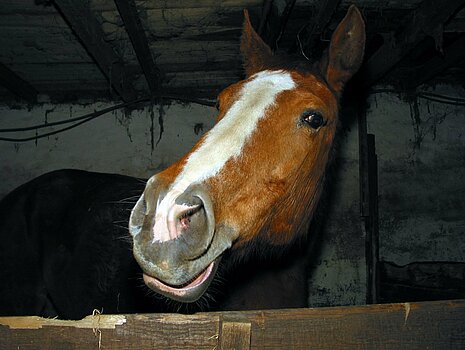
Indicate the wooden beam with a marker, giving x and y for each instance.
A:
(310, 35)
(264, 17)
(426, 325)
(274, 20)
(11, 81)
(368, 175)
(282, 23)
(425, 19)
(128, 12)
(88, 30)
(453, 54)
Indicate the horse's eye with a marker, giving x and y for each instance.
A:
(313, 119)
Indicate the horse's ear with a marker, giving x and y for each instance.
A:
(345, 53)
(255, 53)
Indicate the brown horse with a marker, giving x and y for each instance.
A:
(257, 175)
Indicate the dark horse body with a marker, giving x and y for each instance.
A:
(65, 251)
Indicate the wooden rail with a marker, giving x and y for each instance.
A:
(425, 325)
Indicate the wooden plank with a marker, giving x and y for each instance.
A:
(453, 54)
(88, 30)
(14, 83)
(426, 325)
(128, 12)
(424, 19)
(235, 335)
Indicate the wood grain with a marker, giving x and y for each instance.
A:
(426, 325)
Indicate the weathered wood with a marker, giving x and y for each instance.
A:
(326, 10)
(368, 173)
(128, 12)
(89, 32)
(425, 19)
(372, 237)
(11, 81)
(453, 54)
(309, 36)
(283, 23)
(276, 22)
(264, 17)
(235, 335)
(182, 4)
(433, 325)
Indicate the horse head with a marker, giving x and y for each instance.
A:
(256, 175)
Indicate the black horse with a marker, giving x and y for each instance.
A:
(66, 251)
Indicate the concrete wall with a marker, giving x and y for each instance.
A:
(118, 142)
(421, 159)
(421, 151)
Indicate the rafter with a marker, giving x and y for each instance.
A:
(128, 12)
(88, 30)
(274, 20)
(454, 54)
(309, 36)
(11, 81)
(426, 18)
(318, 24)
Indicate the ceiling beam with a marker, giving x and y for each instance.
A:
(128, 12)
(266, 8)
(309, 36)
(319, 23)
(453, 54)
(275, 15)
(282, 23)
(425, 19)
(11, 81)
(88, 30)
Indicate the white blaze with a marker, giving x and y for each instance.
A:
(225, 141)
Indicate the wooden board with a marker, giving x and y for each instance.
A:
(432, 325)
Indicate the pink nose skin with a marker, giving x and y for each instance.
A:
(172, 223)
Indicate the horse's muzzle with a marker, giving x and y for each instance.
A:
(175, 240)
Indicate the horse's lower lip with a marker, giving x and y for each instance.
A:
(187, 292)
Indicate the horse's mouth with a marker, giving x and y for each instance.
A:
(189, 291)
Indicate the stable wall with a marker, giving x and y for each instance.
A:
(421, 160)
(119, 142)
(421, 154)
(420, 146)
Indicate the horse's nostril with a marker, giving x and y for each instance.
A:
(185, 218)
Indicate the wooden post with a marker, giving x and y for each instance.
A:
(368, 170)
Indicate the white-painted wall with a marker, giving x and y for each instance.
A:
(117, 142)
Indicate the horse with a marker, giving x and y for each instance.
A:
(256, 176)
(246, 191)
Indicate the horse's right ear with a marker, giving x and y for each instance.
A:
(255, 53)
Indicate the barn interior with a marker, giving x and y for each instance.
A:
(129, 86)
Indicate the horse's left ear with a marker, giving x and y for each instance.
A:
(345, 54)
(255, 53)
